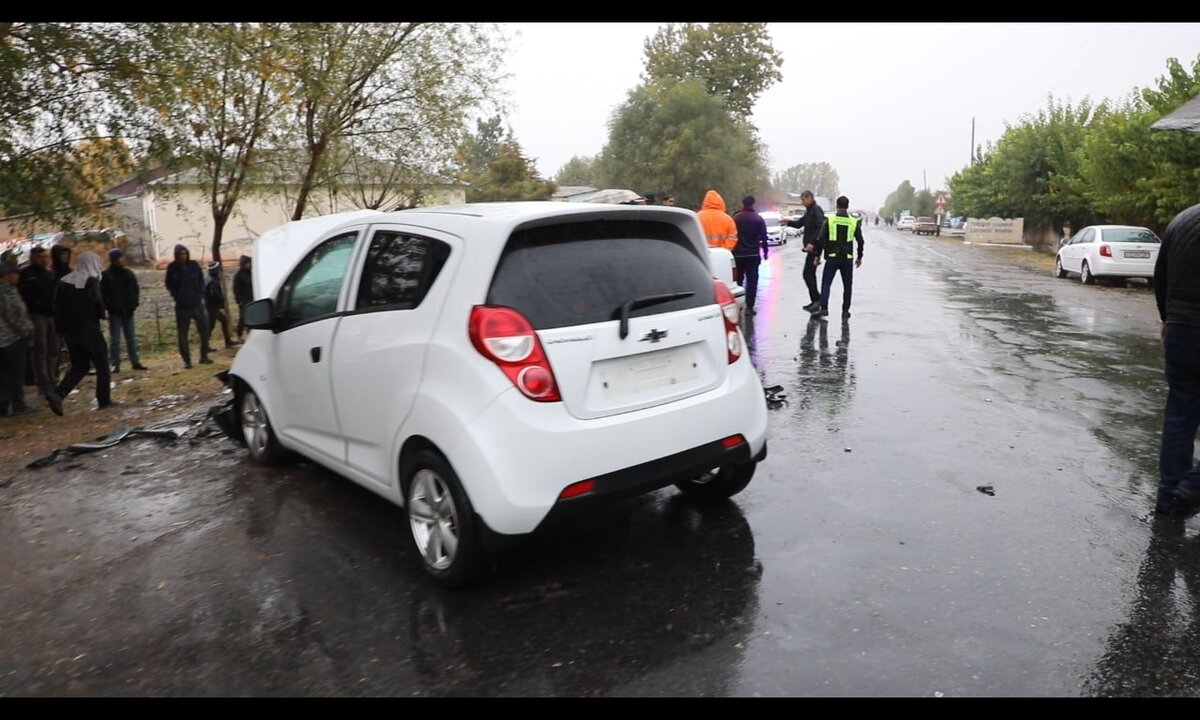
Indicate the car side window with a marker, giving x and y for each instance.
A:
(312, 289)
(399, 271)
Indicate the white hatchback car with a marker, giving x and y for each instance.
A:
(1112, 251)
(497, 367)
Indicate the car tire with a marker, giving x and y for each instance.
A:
(261, 442)
(719, 483)
(1058, 268)
(438, 511)
(1085, 274)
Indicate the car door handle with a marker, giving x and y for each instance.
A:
(315, 354)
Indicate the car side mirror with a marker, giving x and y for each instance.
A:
(259, 315)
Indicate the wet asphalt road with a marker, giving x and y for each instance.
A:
(861, 561)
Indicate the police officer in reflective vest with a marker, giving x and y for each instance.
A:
(838, 236)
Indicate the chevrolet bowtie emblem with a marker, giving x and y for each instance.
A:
(653, 336)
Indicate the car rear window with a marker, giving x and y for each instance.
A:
(582, 272)
(1130, 235)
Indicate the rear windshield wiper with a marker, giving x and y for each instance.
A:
(644, 301)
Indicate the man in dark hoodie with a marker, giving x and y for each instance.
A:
(60, 261)
(37, 290)
(243, 291)
(216, 304)
(185, 282)
(119, 286)
(1177, 292)
(752, 239)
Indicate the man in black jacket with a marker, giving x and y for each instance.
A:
(812, 222)
(1177, 292)
(185, 281)
(119, 286)
(37, 290)
(243, 291)
(752, 239)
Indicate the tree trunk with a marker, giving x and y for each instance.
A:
(218, 230)
(314, 159)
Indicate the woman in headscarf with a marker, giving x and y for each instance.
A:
(78, 310)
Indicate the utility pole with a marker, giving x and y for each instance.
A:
(972, 141)
(925, 181)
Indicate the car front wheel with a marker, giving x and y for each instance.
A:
(260, 437)
(719, 483)
(1058, 268)
(443, 527)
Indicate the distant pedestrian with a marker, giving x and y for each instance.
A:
(16, 330)
(216, 304)
(668, 200)
(719, 228)
(37, 290)
(185, 281)
(60, 261)
(243, 291)
(838, 236)
(752, 240)
(78, 310)
(812, 223)
(1177, 293)
(121, 292)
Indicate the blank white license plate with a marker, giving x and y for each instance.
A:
(1137, 254)
(638, 374)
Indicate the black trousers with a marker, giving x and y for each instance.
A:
(844, 266)
(12, 376)
(810, 278)
(84, 350)
(183, 318)
(747, 273)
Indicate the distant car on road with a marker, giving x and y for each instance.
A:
(924, 226)
(905, 223)
(1109, 251)
(776, 230)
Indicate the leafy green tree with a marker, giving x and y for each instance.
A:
(578, 171)
(1175, 180)
(678, 138)
(58, 117)
(900, 199)
(509, 176)
(734, 61)
(924, 204)
(1033, 171)
(390, 89)
(212, 94)
(820, 177)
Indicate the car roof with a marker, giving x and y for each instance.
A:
(277, 250)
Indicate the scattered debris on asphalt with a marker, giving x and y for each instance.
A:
(776, 398)
(107, 441)
(987, 490)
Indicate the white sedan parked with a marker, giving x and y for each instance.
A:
(1111, 251)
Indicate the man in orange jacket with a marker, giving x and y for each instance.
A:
(719, 228)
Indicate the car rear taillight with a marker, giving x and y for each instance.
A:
(505, 337)
(1106, 251)
(729, 309)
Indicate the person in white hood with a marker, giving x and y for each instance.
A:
(78, 310)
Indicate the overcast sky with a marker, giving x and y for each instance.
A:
(908, 91)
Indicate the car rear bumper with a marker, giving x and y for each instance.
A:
(518, 456)
(1143, 268)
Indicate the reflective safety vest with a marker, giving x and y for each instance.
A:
(835, 248)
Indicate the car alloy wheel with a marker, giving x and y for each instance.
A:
(257, 432)
(434, 519)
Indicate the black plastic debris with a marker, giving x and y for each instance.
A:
(775, 396)
(107, 441)
(987, 490)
